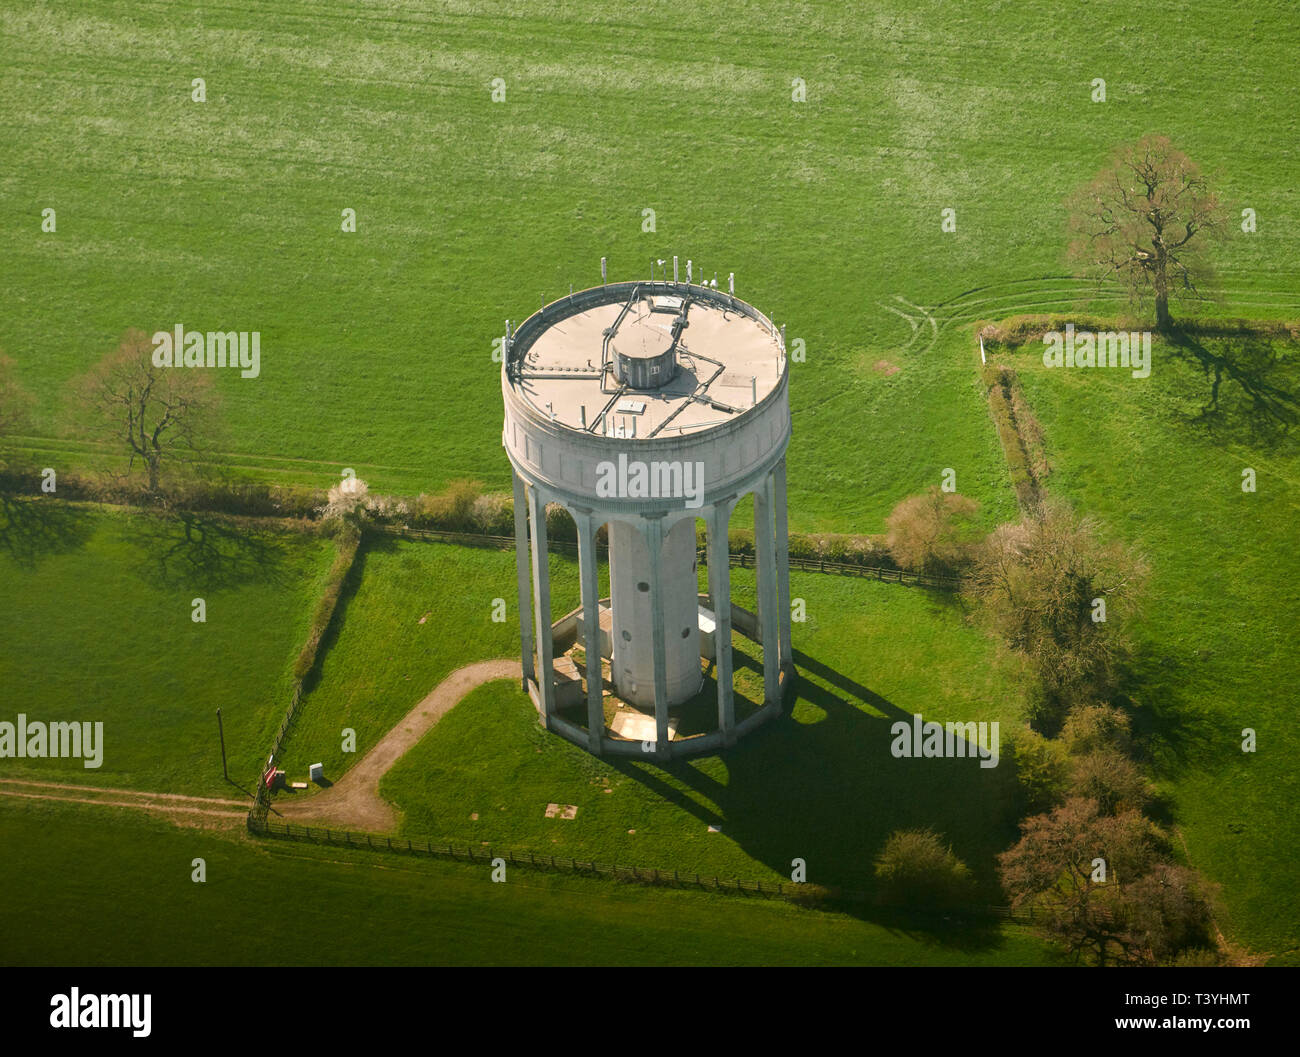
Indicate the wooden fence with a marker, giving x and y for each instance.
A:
(810, 894)
(742, 559)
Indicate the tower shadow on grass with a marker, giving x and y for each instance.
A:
(820, 783)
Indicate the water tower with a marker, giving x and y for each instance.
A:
(642, 406)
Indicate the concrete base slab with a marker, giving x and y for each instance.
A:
(640, 726)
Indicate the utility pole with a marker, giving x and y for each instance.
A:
(221, 731)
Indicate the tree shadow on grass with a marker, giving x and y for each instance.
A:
(32, 530)
(203, 552)
(1252, 376)
(820, 784)
(1172, 733)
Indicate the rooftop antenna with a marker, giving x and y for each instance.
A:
(602, 271)
(688, 269)
(674, 268)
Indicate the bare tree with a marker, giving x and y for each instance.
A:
(1144, 220)
(1051, 586)
(1103, 886)
(1054, 870)
(157, 413)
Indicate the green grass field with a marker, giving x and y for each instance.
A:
(1217, 649)
(380, 660)
(226, 214)
(376, 355)
(97, 627)
(820, 785)
(126, 898)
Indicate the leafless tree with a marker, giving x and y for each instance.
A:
(157, 414)
(1054, 870)
(1145, 220)
(1043, 583)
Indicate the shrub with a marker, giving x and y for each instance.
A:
(1091, 727)
(1041, 767)
(494, 514)
(934, 532)
(809, 895)
(915, 868)
(741, 541)
(1109, 778)
(560, 524)
(452, 509)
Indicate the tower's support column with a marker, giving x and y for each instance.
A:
(589, 574)
(769, 617)
(542, 602)
(719, 560)
(781, 529)
(653, 529)
(521, 574)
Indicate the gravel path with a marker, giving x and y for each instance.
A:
(354, 800)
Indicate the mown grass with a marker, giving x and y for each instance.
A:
(122, 894)
(411, 614)
(376, 345)
(1217, 635)
(820, 784)
(97, 626)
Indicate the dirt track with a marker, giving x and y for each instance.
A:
(184, 810)
(354, 800)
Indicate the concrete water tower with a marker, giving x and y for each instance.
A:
(642, 406)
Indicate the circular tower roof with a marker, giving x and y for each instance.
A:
(660, 370)
(581, 359)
